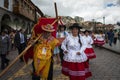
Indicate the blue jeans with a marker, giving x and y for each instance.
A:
(111, 41)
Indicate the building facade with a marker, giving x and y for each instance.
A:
(17, 14)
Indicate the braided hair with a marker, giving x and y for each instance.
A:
(79, 39)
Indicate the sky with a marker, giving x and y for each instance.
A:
(88, 9)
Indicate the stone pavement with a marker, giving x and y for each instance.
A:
(105, 67)
(12, 55)
(114, 47)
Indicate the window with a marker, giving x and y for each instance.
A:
(6, 3)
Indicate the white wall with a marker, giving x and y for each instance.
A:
(1, 3)
(10, 7)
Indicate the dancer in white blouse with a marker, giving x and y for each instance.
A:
(61, 34)
(75, 60)
(100, 39)
(89, 51)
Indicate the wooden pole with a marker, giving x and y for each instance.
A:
(16, 59)
(56, 12)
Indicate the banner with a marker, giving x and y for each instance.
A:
(38, 30)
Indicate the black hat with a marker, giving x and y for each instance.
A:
(75, 25)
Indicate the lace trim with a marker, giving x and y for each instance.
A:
(74, 73)
(75, 60)
(91, 54)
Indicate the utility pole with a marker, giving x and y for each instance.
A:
(104, 23)
(104, 20)
(94, 25)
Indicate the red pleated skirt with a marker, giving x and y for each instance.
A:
(90, 53)
(98, 42)
(75, 70)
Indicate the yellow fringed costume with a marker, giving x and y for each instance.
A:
(42, 55)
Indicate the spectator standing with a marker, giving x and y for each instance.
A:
(119, 35)
(115, 36)
(4, 49)
(20, 41)
(110, 37)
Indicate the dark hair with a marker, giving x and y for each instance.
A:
(75, 25)
(4, 32)
(79, 40)
(20, 30)
(86, 31)
(111, 30)
(60, 26)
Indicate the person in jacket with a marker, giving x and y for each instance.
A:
(4, 49)
(20, 41)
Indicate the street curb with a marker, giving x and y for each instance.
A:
(110, 50)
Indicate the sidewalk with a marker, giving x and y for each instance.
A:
(114, 47)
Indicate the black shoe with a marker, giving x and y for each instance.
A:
(21, 60)
(7, 62)
(34, 77)
(111, 45)
(2, 68)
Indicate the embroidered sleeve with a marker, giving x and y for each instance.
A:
(64, 44)
(54, 43)
(91, 40)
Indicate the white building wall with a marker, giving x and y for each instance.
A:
(10, 7)
(1, 3)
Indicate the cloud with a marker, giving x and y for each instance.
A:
(88, 9)
(118, 2)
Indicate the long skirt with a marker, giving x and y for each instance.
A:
(99, 42)
(90, 53)
(75, 70)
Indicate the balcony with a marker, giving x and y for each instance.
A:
(22, 11)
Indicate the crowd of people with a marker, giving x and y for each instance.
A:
(10, 41)
(73, 50)
(113, 36)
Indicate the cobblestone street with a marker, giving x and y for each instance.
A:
(105, 67)
(35, 33)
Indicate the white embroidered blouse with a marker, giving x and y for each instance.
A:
(89, 41)
(99, 37)
(72, 46)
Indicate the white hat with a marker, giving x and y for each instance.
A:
(82, 30)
